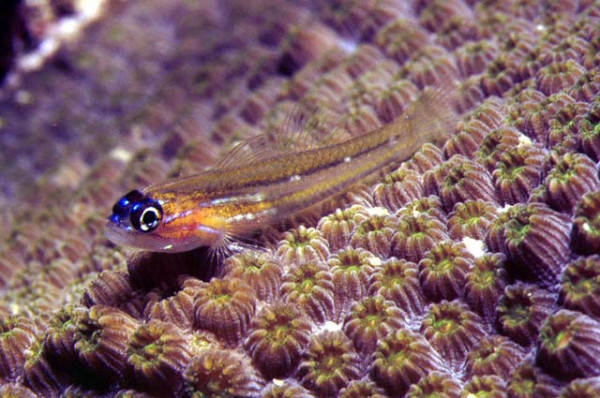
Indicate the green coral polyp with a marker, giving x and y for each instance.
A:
(452, 330)
(527, 380)
(487, 386)
(495, 355)
(329, 364)
(303, 245)
(580, 285)
(279, 336)
(397, 280)
(443, 270)
(315, 298)
(416, 235)
(471, 219)
(401, 359)
(569, 345)
(517, 232)
(434, 384)
(158, 353)
(225, 307)
(221, 373)
(370, 320)
(586, 225)
(535, 238)
(522, 310)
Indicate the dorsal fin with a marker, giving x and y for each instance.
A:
(245, 152)
(302, 128)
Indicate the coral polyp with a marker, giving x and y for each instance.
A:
(442, 272)
(398, 280)
(589, 135)
(259, 270)
(158, 352)
(457, 31)
(401, 359)
(431, 67)
(101, 340)
(473, 57)
(587, 85)
(459, 179)
(350, 270)
(401, 39)
(496, 355)
(522, 310)
(535, 238)
(583, 388)
(221, 373)
(558, 75)
(573, 176)
(495, 144)
(337, 227)
(467, 140)
(485, 284)
(580, 286)
(585, 238)
(225, 307)
(310, 287)
(16, 336)
(394, 100)
(178, 309)
(430, 206)
(569, 345)
(426, 158)
(499, 75)
(303, 245)
(435, 383)
(518, 172)
(399, 188)
(375, 234)
(487, 386)
(60, 335)
(329, 364)
(452, 330)
(416, 235)
(279, 389)
(527, 380)
(362, 388)
(370, 320)
(40, 375)
(280, 333)
(471, 219)
(110, 288)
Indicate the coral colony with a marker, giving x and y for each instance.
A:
(471, 269)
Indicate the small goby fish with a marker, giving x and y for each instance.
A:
(237, 197)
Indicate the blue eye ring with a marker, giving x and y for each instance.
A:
(146, 215)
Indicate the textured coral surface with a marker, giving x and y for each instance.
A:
(472, 269)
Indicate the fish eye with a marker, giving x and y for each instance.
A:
(146, 215)
(122, 207)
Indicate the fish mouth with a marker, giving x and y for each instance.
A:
(122, 236)
(115, 233)
(126, 236)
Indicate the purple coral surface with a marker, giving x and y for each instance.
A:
(471, 267)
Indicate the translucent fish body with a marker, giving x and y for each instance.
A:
(238, 197)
